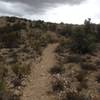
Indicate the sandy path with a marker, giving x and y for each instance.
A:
(39, 83)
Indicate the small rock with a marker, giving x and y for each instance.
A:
(17, 93)
(23, 83)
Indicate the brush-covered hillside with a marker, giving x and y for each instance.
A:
(49, 61)
(21, 42)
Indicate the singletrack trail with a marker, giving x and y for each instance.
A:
(39, 80)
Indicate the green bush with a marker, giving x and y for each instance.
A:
(82, 43)
(83, 40)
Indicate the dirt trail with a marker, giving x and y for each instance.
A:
(39, 83)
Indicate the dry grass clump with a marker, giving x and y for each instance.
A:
(74, 58)
(58, 86)
(88, 66)
(5, 93)
(57, 69)
(19, 69)
(3, 71)
(73, 96)
(98, 78)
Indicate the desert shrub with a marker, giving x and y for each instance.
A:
(11, 19)
(2, 85)
(2, 89)
(82, 43)
(57, 69)
(10, 34)
(17, 27)
(45, 39)
(38, 24)
(9, 37)
(84, 84)
(38, 40)
(73, 58)
(16, 69)
(8, 95)
(21, 70)
(97, 62)
(81, 75)
(58, 86)
(9, 28)
(83, 40)
(17, 82)
(75, 96)
(63, 45)
(62, 32)
(88, 66)
(36, 46)
(98, 79)
(14, 97)
(65, 30)
(98, 33)
(51, 26)
(3, 71)
(10, 40)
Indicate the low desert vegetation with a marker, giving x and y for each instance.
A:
(82, 40)
(76, 75)
(21, 42)
(57, 69)
(79, 53)
(57, 86)
(21, 69)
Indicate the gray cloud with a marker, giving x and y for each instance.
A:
(42, 2)
(23, 7)
(37, 4)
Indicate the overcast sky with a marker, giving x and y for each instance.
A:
(67, 11)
